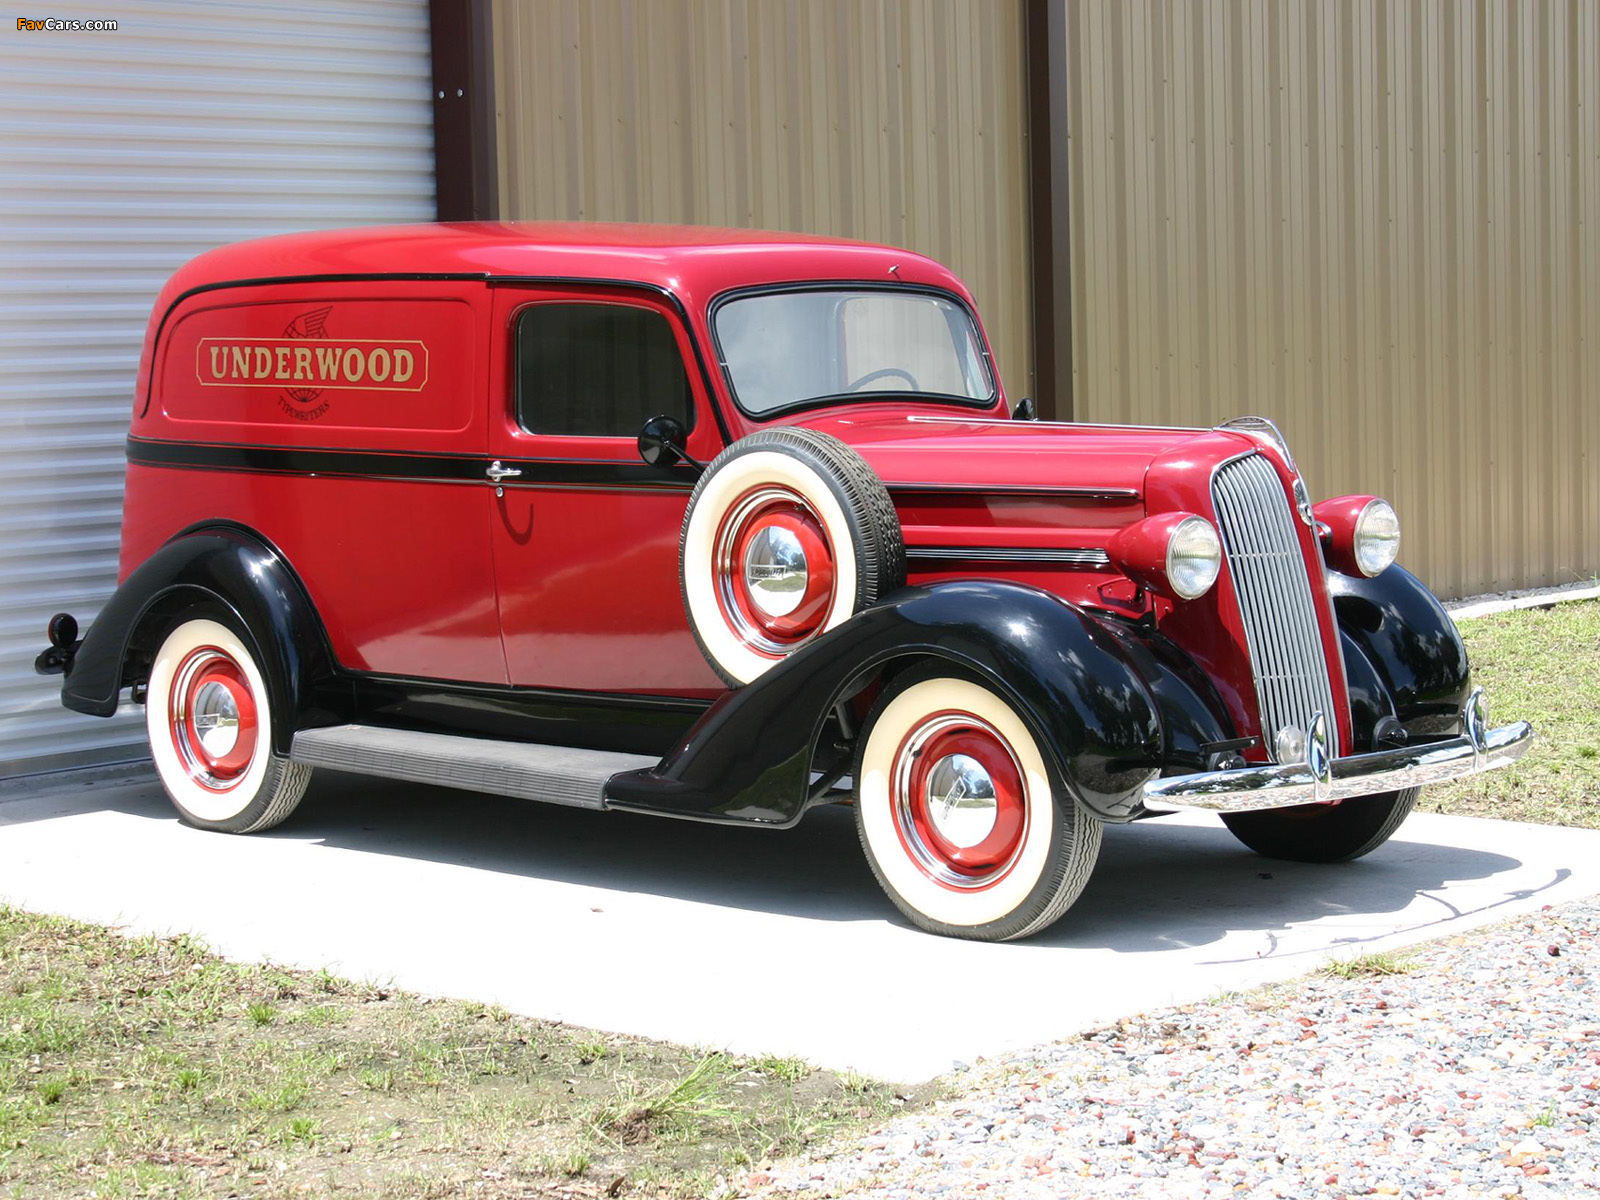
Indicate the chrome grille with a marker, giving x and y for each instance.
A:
(1275, 598)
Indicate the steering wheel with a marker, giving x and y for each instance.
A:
(884, 374)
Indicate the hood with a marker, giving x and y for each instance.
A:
(951, 452)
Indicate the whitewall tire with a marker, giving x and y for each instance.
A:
(787, 535)
(208, 714)
(958, 814)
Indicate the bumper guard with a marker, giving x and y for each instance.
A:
(1322, 778)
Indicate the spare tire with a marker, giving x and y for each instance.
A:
(788, 534)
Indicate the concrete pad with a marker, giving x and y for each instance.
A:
(747, 939)
(1514, 601)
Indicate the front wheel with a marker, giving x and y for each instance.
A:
(208, 714)
(958, 815)
(1323, 833)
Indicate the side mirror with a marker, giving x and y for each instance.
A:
(1024, 410)
(661, 441)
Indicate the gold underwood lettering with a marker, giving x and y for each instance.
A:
(328, 364)
(270, 362)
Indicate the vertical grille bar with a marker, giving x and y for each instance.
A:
(1276, 606)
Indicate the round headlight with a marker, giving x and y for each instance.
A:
(1377, 537)
(1194, 556)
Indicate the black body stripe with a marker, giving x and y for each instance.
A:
(394, 464)
(1048, 491)
(469, 468)
(1080, 556)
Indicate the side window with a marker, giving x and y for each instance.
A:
(597, 370)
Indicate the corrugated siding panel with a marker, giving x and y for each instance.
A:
(1378, 224)
(121, 155)
(900, 121)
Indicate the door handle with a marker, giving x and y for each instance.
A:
(496, 472)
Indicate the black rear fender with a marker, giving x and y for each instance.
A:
(228, 567)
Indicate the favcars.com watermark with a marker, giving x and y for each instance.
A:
(61, 25)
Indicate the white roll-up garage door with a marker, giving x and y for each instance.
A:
(123, 153)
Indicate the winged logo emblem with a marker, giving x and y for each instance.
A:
(311, 324)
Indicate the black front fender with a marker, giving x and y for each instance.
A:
(1410, 643)
(226, 566)
(749, 758)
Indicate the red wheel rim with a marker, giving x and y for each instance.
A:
(770, 622)
(212, 715)
(960, 800)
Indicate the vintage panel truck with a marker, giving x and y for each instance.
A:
(722, 525)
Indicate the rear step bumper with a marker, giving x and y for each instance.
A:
(557, 774)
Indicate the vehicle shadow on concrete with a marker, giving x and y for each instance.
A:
(1159, 886)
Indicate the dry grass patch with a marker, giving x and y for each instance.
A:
(145, 1067)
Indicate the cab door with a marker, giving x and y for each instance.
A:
(585, 534)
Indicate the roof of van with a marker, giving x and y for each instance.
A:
(693, 262)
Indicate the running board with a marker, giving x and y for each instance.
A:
(557, 774)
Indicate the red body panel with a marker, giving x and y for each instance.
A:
(581, 607)
(399, 569)
(415, 599)
(397, 391)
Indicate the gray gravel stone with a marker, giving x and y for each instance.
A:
(1475, 1074)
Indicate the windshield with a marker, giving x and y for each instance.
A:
(783, 349)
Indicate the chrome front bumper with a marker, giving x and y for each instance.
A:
(1321, 778)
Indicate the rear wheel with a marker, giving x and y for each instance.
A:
(208, 714)
(1324, 833)
(958, 814)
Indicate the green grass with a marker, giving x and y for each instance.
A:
(1539, 665)
(261, 1013)
(145, 1067)
(591, 1050)
(690, 1109)
(1380, 962)
(790, 1070)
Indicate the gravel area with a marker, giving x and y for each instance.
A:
(1475, 1072)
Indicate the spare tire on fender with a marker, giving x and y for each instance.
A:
(788, 534)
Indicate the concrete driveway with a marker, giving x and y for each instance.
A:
(751, 940)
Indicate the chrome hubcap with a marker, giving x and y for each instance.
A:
(215, 719)
(775, 571)
(961, 800)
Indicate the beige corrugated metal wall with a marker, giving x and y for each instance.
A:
(898, 121)
(1377, 222)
